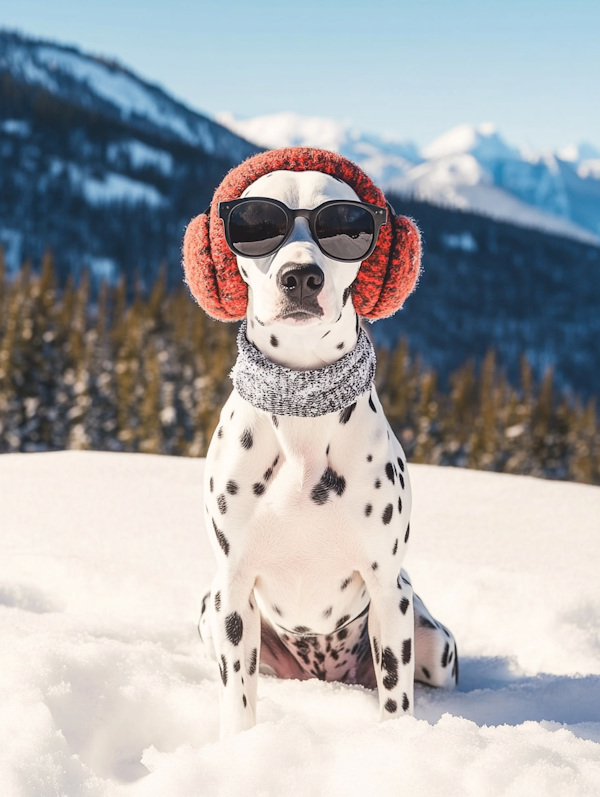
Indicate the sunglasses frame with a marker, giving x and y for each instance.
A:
(378, 214)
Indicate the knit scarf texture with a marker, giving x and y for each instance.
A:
(302, 394)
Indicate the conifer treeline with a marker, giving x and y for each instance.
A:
(151, 375)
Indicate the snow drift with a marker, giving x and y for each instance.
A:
(105, 691)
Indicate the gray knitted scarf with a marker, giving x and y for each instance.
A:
(305, 394)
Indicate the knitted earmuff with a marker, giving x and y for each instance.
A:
(383, 282)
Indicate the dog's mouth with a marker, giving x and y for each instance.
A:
(299, 315)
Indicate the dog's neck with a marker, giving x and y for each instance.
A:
(304, 347)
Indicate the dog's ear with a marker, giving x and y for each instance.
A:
(220, 292)
(390, 274)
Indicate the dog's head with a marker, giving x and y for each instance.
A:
(299, 282)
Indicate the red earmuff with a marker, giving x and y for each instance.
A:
(383, 282)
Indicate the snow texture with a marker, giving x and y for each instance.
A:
(104, 689)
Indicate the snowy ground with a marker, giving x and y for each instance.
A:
(104, 689)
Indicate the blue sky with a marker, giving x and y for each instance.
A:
(410, 69)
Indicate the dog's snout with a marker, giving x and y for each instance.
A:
(301, 282)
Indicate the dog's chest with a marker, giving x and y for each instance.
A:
(306, 503)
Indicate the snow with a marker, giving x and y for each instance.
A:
(104, 689)
(140, 156)
(113, 187)
(482, 141)
(15, 127)
(589, 169)
(460, 181)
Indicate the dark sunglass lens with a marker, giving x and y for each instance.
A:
(345, 232)
(257, 228)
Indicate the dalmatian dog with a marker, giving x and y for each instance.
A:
(309, 517)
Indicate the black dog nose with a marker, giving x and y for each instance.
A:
(301, 282)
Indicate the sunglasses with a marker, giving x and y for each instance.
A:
(343, 230)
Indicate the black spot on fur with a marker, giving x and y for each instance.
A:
(399, 505)
(445, 655)
(389, 472)
(327, 333)
(401, 480)
(212, 484)
(345, 296)
(244, 701)
(451, 656)
(245, 275)
(222, 504)
(357, 324)
(301, 629)
(369, 457)
(221, 538)
(371, 404)
(246, 439)
(395, 548)
(236, 666)
(253, 661)
(377, 484)
(342, 621)
(329, 482)
(223, 670)
(368, 509)
(426, 673)
(258, 488)
(259, 321)
(404, 604)
(391, 706)
(232, 414)
(231, 487)
(424, 622)
(405, 702)
(346, 582)
(374, 566)
(274, 341)
(340, 346)
(387, 514)
(252, 323)
(376, 649)
(277, 610)
(218, 601)
(342, 634)
(401, 464)
(389, 664)
(275, 420)
(220, 432)
(346, 414)
(406, 536)
(406, 651)
(234, 628)
(327, 612)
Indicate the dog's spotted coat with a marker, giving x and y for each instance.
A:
(309, 518)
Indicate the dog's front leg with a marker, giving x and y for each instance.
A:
(391, 630)
(235, 625)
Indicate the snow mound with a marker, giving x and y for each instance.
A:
(104, 689)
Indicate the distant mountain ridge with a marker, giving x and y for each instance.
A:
(469, 168)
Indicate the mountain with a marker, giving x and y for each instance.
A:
(105, 170)
(470, 168)
(100, 166)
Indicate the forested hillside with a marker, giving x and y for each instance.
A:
(152, 376)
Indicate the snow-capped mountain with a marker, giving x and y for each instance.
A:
(98, 165)
(470, 168)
